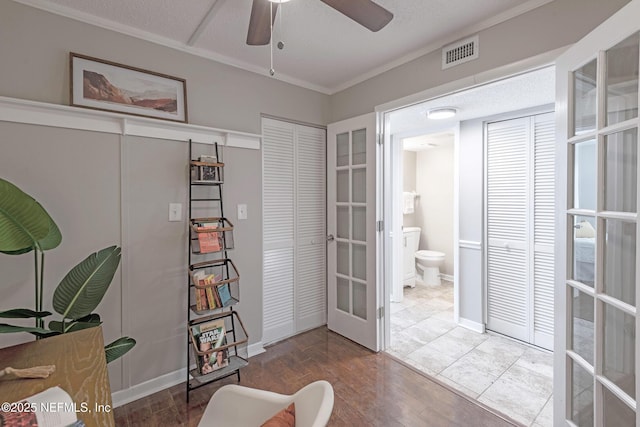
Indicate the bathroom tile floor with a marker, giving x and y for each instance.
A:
(504, 374)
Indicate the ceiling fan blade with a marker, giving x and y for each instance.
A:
(259, 32)
(364, 12)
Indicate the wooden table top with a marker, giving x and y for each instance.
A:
(81, 370)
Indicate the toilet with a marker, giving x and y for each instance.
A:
(428, 266)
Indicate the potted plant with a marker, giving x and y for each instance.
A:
(25, 226)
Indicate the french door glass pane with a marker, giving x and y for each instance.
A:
(342, 148)
(342, 297)
(359, 257)
(581, 395)
(584, 98)
(359, 223)
(584, 250)
(342, 222)
(359, 186)
(616, 413)
(360, 300)
(342, 186)
(621, 171)
(619, 349)
(342, 258)
(584, 176)
(622, 80)
(620, 260)
(583, 333)
(359, 147)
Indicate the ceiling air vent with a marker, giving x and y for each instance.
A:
(459, 52)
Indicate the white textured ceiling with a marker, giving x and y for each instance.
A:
(533, 89)
(324, 50)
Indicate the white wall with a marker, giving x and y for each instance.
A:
(409, 184)
(434, 213)
(471, 221)
(556, 24)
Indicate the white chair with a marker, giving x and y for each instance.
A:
(237, 406)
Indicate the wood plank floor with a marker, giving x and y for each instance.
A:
(370, 389)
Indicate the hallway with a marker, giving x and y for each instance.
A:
(511, 377)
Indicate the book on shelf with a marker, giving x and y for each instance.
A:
(52, 407)
(198, 276)
(212, 297)
(210, 336)
(224, 292)
(208, 158)
(208, 238)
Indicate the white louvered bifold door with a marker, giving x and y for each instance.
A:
(311, 264)
(508, 293)
(278, 206)
(543, 228)
(294, 229)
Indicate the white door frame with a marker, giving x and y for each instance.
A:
(480, 79)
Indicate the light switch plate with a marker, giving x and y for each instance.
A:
(175, 211)
(242, 211)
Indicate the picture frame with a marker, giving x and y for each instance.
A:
(108, 86)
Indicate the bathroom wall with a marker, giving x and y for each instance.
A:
(434, 209)
(409, 184)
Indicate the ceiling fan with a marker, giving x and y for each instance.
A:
(364, 12)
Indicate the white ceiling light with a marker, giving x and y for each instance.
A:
(441, 113)
(278, 1)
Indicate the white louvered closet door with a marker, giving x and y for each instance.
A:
(543, 228)
(520, 228)
(508, 227)
(294, 224)
(311, 228)
(278, 205)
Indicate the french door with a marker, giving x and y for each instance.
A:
(598, 268)
(351, 227)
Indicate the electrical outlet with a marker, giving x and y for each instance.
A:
(175, 211)
(242, 211)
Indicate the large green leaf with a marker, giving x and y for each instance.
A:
(53, 237)
(23, 313)
(90, 321)
(40, 332)
(118, 348)
(82, 289)
(23, 221)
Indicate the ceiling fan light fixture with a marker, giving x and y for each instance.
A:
(441, 113)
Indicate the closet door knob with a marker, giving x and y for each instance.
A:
(330, 238)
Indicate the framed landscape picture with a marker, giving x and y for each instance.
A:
(107, 86)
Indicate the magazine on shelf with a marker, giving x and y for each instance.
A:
(208, 173)
(52, 407)
(208, 238)
(209, 336)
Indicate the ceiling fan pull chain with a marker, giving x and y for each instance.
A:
(271, 70)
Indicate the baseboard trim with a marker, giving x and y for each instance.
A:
(255, 349)
(470, 324)
(447, 277)
(138, 391)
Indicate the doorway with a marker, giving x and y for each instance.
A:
(440, 329)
